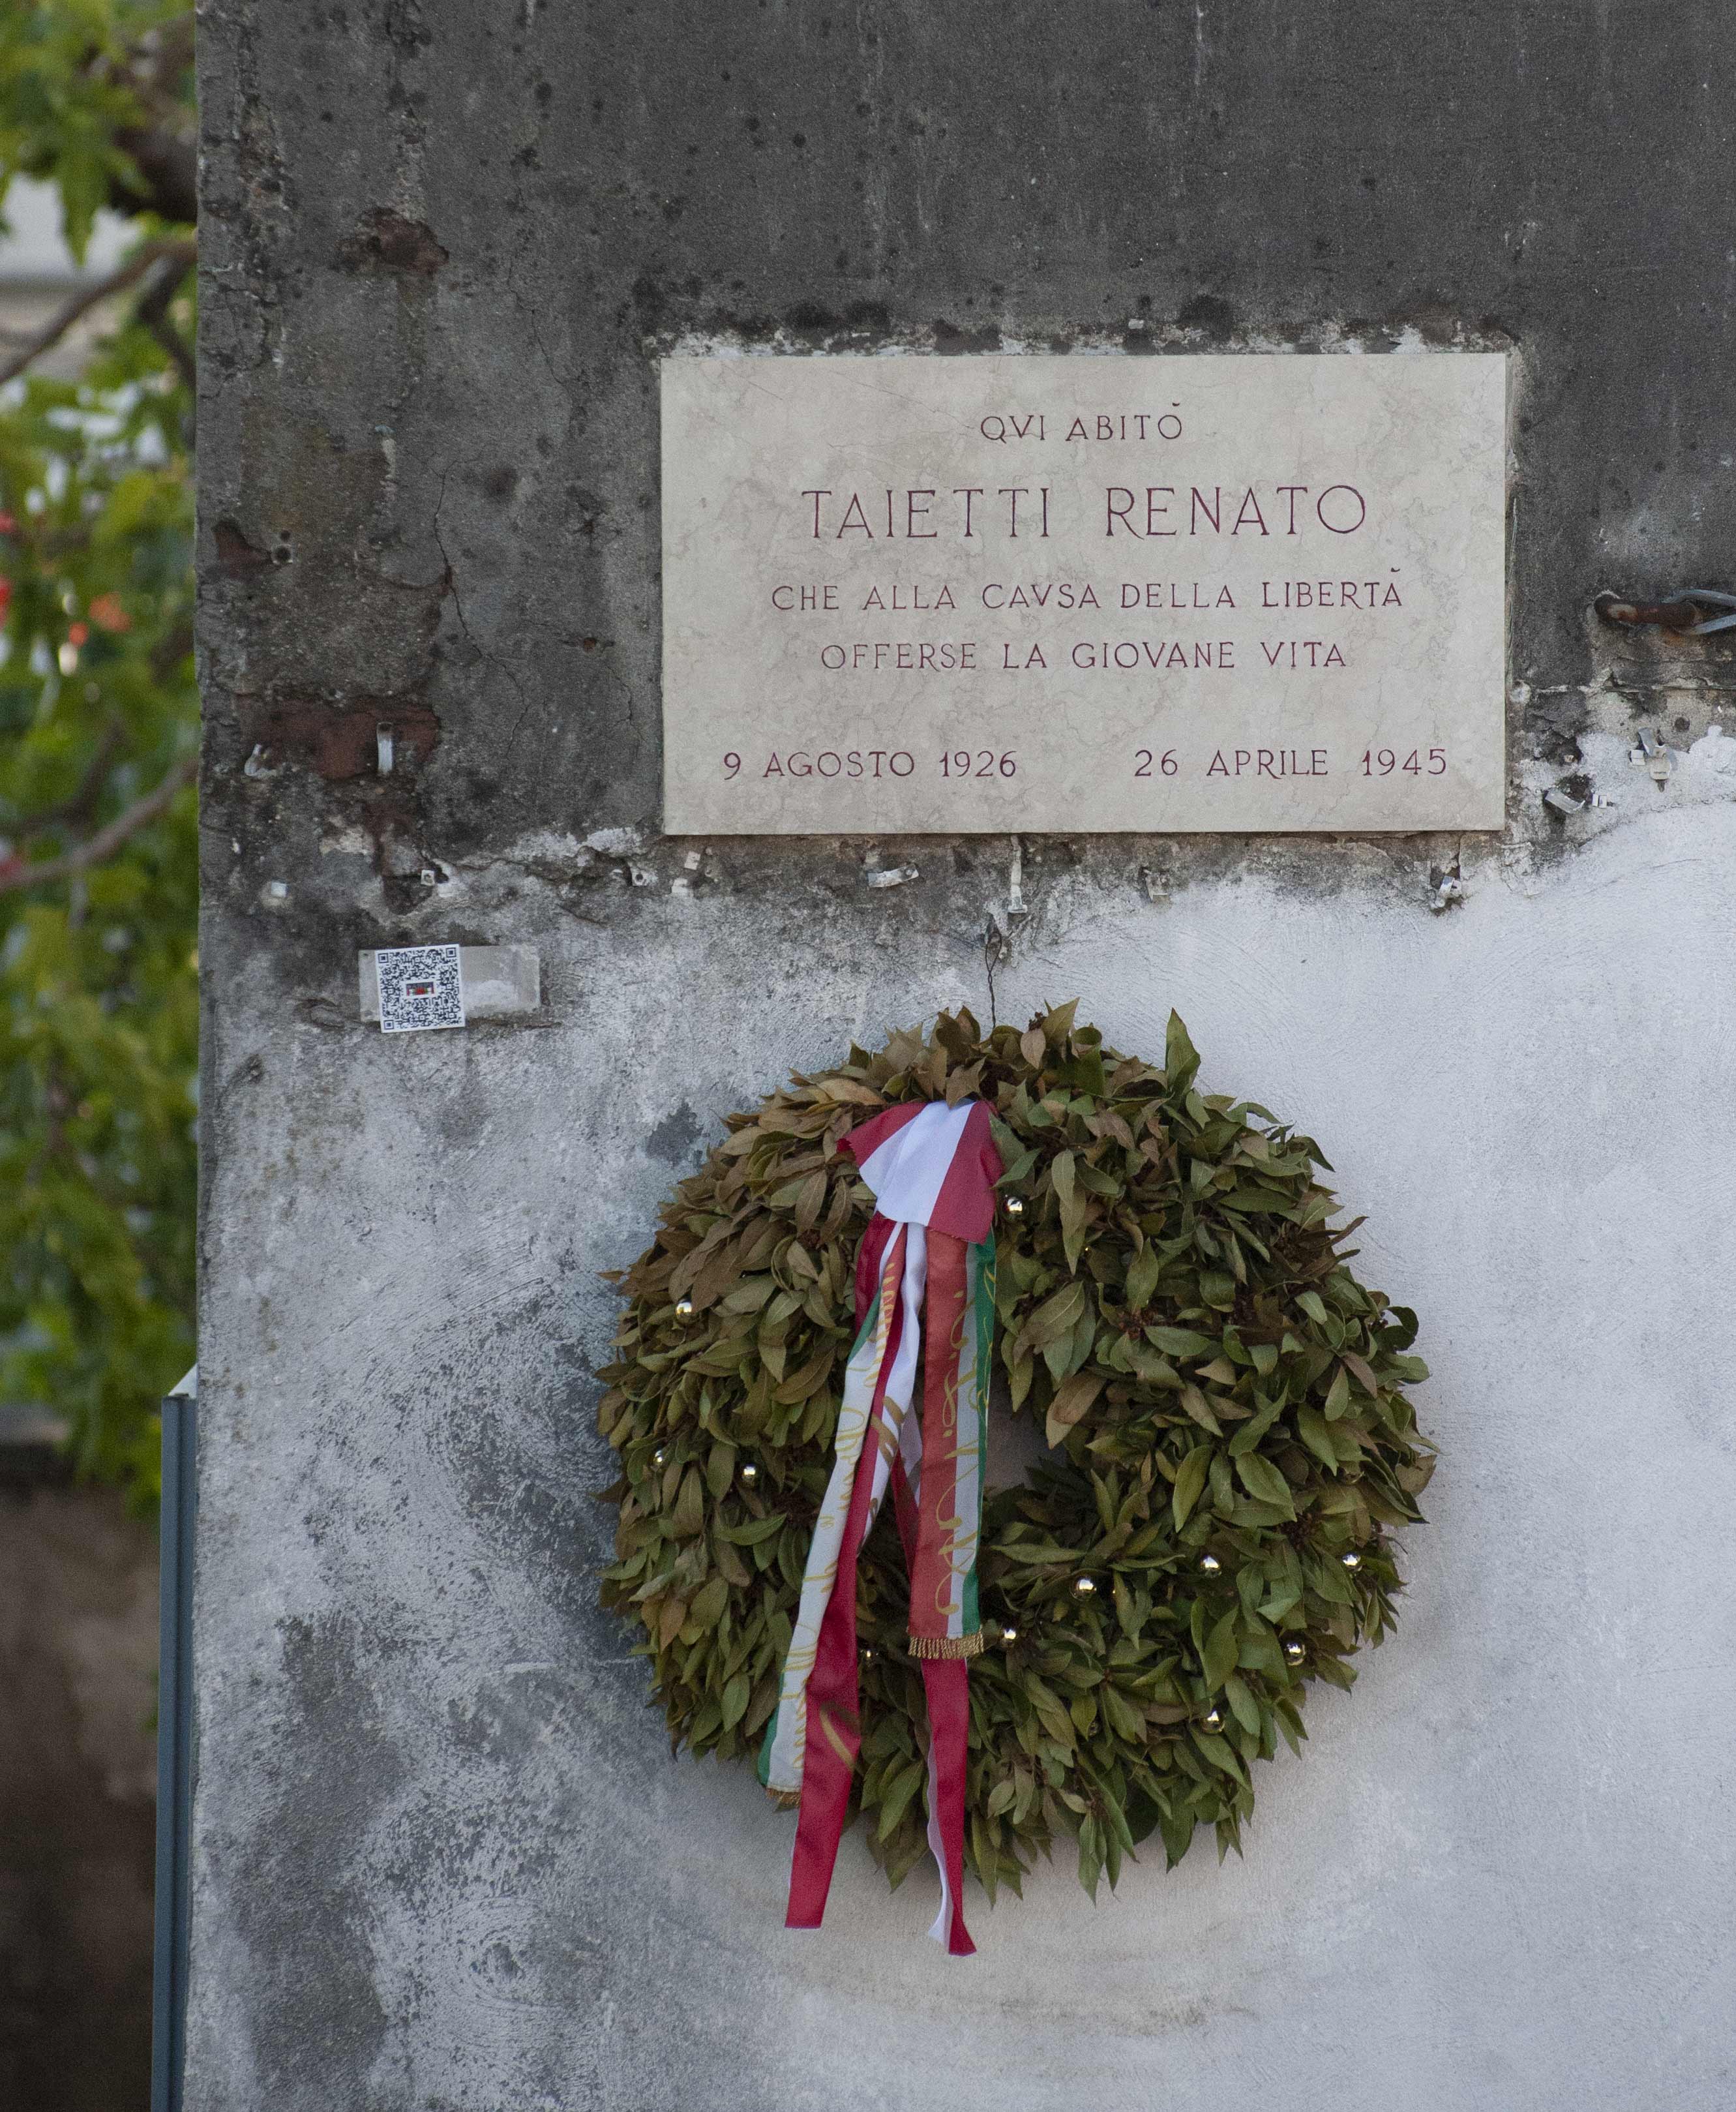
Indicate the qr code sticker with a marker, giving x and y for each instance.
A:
(420, 987)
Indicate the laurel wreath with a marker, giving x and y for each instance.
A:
(1210, 1533)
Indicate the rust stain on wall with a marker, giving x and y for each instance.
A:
(339, 742)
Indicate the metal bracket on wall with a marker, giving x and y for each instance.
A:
(1686, 614)
(1652, 755)
(180, 1415)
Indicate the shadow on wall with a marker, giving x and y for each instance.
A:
(78, 1757)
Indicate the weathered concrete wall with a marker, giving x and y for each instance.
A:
(443, 1859)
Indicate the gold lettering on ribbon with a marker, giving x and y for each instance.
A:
(830, 1719)
(949, 1526)
(952, 1529)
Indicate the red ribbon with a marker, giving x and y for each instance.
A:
(946, 1680)
(834, 1725)
(834, 1700)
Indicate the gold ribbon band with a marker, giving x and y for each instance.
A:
(946, 1645)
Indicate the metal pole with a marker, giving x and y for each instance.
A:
(174, 1743)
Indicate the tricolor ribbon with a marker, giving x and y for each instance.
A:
(933, 1170)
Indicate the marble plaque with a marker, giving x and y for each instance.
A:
(1000, 592)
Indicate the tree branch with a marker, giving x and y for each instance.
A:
(90, 297)
(168, 168)
(153, 313)
(89, 789)
(161, 145)
(20, 873)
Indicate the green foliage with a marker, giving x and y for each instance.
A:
(80, 82)
(1225, 1402)
(98, 1003)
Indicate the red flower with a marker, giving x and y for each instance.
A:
(77, 633)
